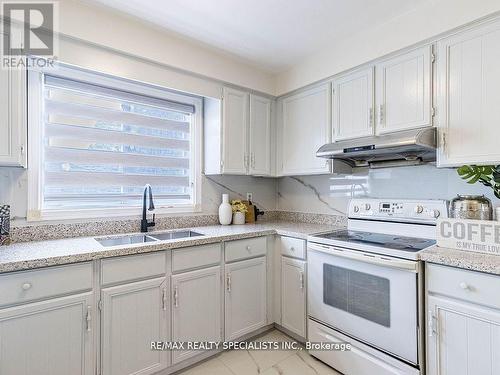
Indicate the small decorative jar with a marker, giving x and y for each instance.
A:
(4, 224)
(225, 211)
(239, 218)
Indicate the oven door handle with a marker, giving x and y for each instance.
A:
(401, 264)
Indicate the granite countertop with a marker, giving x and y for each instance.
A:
(38, 254)
(462, 259)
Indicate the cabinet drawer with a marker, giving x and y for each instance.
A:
(293, 247)
(132, 267)
(471, 286)
(248, 248)
(27, 286)
(195, 257)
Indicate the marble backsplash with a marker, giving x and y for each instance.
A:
(330, 194)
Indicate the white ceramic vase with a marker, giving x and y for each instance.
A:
(238, 218)
(225, 211)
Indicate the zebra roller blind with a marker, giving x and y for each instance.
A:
(102, 145)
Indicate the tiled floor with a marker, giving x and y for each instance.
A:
(253, 362)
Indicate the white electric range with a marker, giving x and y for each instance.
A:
(365, 285)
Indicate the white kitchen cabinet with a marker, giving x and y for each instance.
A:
(260, 136)
(238, 134)
(133, 315)
(53, 337)
(245, 297)
(353, 113)
(196, 311)
(234, 131)
(463, 338)
(13, 125)
(293, 295)
(468, 96)
(305, 127)
(404, 91)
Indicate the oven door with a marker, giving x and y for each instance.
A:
(371, 298)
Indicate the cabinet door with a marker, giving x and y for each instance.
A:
(48, 338)
(12, 117)
(133, 315)
(462, 339)
(260, 135)
(196, 309)
(306, 126)
(234, 131)
(246, 291)
(293, 295)
(403, 98)
(353, 105)
(468, 96)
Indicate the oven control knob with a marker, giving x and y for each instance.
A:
(367, 207)
(356, 209)
(435, 214)
(419, 209)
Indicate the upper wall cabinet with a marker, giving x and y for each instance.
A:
(305, 127)
(404, 91)
(469, 96)
(260, 136)
(238, 134)
(353, 105)
(234, 131)
(13, 117)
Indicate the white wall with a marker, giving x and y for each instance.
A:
(330, 194)
(429, 20)
(107, 28)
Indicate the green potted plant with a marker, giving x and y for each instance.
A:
(239, 210)
(488, 175)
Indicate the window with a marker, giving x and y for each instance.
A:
(99, 140)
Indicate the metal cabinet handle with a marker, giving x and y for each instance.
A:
(370, 117)
(164, 299)
(249, 248)
(252, 160)
(26, 286)
(228, 283)
(88, 318)
(301, 278)
(432, 324)
(292, 248)
(381, 117)
(176, 296)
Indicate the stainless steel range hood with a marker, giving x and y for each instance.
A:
(409, 147)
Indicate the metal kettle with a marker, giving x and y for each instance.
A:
(476, 207)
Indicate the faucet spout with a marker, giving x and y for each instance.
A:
(145, 224)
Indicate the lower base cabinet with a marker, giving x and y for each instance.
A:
(133, 315)
(463, 338)
(196, 311)
(293, 295)
(51, 337)
(245, 297)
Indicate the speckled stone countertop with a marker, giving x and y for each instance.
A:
(30, 255)
(462, 259)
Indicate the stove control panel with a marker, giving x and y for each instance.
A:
(404, 210)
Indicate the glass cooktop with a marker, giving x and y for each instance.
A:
(388, 241)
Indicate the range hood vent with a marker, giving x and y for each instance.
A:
(408, 147)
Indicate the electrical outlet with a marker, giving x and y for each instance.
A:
(249, 197)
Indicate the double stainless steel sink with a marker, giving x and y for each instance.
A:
(144, 238)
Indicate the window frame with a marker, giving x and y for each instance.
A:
(35, 84)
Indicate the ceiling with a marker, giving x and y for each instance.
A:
(270, 34)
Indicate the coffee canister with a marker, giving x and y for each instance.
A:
(476, 207)
(4, 224)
